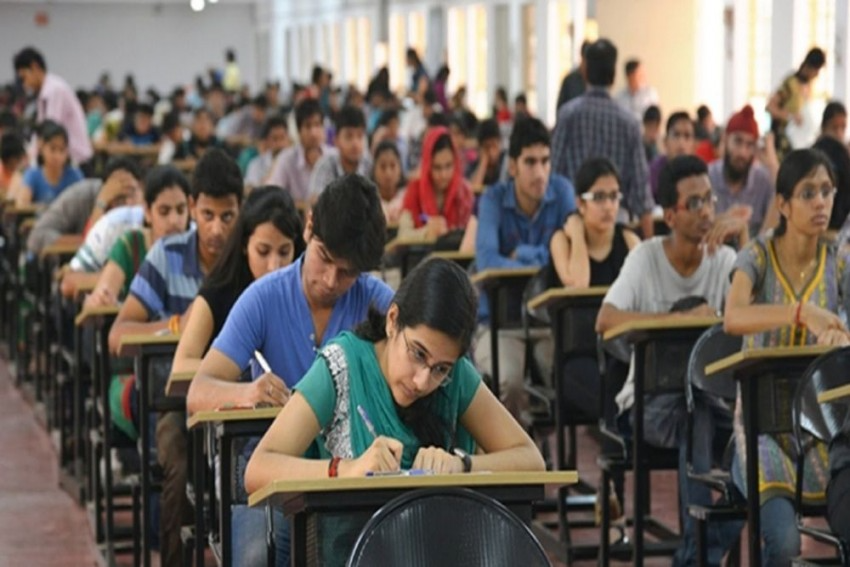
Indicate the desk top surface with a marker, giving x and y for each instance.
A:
(558, 295)
(839, 393)
(672, 322)
(64, 245)
(454, 255)
(401, 241)
(750, 357)
(220, 416)
(130, 344)
(494, 274)
(90, 314)
(401, 482)
(180, 378)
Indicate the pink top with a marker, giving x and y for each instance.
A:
(57, 102)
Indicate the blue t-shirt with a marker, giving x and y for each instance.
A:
(42, 190)
(272, 316)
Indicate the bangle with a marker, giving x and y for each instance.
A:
(174, 325)
(101, 204)
(333, 467)
(797, 320)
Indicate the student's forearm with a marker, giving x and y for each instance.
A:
(208, 393)
(750, 319)
(267, 466)
(523, 458)
(579, 263)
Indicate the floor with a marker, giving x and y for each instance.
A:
(40, 525)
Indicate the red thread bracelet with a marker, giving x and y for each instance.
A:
(797, 321)
(333, 467)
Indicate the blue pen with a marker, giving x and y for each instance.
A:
(423, 218)
(366, 421)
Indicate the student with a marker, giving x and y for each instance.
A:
(408, 372)
(166, 213)
(290, 314)
(141, 131)
(678, 141)
(787, 290)
(440, 200)
(12, 158)
(159, 299)
(294, 166)
(834, 122)
(690, 261)
(651, 127)
(172, 137)
(387, 175)
(267, 236)
(516, 220)
(591, 247)
(274, 139)
(202, 138)
(488, 168)
(54, 172)
(348, 157)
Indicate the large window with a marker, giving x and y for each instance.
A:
(397, 48)
(529, 56)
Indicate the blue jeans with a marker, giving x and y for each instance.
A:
(779, 533)
(249, 532)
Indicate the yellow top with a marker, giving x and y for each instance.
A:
(661, 323)
(751, 356)
(502, 273)
(222, 415)
(556, 294)
(558, 478)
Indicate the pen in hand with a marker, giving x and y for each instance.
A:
(262, 362)
(367, 422)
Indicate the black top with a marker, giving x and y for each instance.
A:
(221, 302)
(603, 272)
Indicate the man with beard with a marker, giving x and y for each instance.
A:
(159, 299)
(743, 186)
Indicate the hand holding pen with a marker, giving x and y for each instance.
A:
(268, 389)
(383, 455)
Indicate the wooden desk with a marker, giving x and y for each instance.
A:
(409, 251)
(65, 245)
(218, 430)
(309, 501)
(144, 348)
(462, 259)
(504, 288)
(179, 381)
(835, 394)
(661, 349)
(767, 378)
(90, 315)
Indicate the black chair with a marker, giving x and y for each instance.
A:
(712, 346)
(819, 423)
(446, 527)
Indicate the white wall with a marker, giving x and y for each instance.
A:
(161, 44)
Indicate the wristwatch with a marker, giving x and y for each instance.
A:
(465, 457)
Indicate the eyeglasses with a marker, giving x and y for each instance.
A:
(695, 203)
(438, 373)
(808, 194)
(600, 197)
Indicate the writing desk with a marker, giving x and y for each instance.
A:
(834, 394)
(180, 379)
(661, 350)
(144, 348)
(504, 288)
(410, 250)
(216, 432)
(307, 502)
(767, 378)
(462, 259)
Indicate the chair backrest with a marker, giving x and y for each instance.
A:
(823, 420)
(446, 527)
(712, 345)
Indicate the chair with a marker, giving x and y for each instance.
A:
(823, 421)
(713, 345)
(446, 527)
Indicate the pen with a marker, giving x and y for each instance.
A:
(367, 421)
(262, 361)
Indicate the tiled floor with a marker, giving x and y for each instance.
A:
(40, 525)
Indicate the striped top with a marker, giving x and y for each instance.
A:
(169, 278)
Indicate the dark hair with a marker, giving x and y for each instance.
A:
(632, 66)
(430, 97)
(652, 114)
(48, 130)
(271, 123)
(798, 165)
(438, 119)
(216, 176)
(839, 158)
(230, 55)
(703, 112)
(11, 146)
(170, 121)
(527, 132)
(306, 109)
(317, 73)
(411, 54)
(592, 169)
(675, 118)
(443, 142)
(202, 111)
(268, 203)
(388, 116)
(164, 177)
(388, 146)
(601, 63)
(437, 294)
(121, 163)
(144, 108)
(488, 130)
(27, 56)
(349, 220)
(815, 58)
(459, 123)
(442, 73)
(520, 99)
(501, 93)
(674, 171)
(260, 101)
(349, 117)
(8, 120)
(832, 110)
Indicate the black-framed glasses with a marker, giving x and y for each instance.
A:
(808, 194)
(695, 203)
(438, 373)
(600, 197)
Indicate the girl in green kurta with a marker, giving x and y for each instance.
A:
(787, 290)
(398, 393)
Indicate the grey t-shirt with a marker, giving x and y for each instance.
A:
(648, 283)
(757, 192)
(67, 214)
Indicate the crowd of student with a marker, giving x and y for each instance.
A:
(230, 260)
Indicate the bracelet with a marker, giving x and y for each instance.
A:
(797, 321)
(174, 325)
(333, 467)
